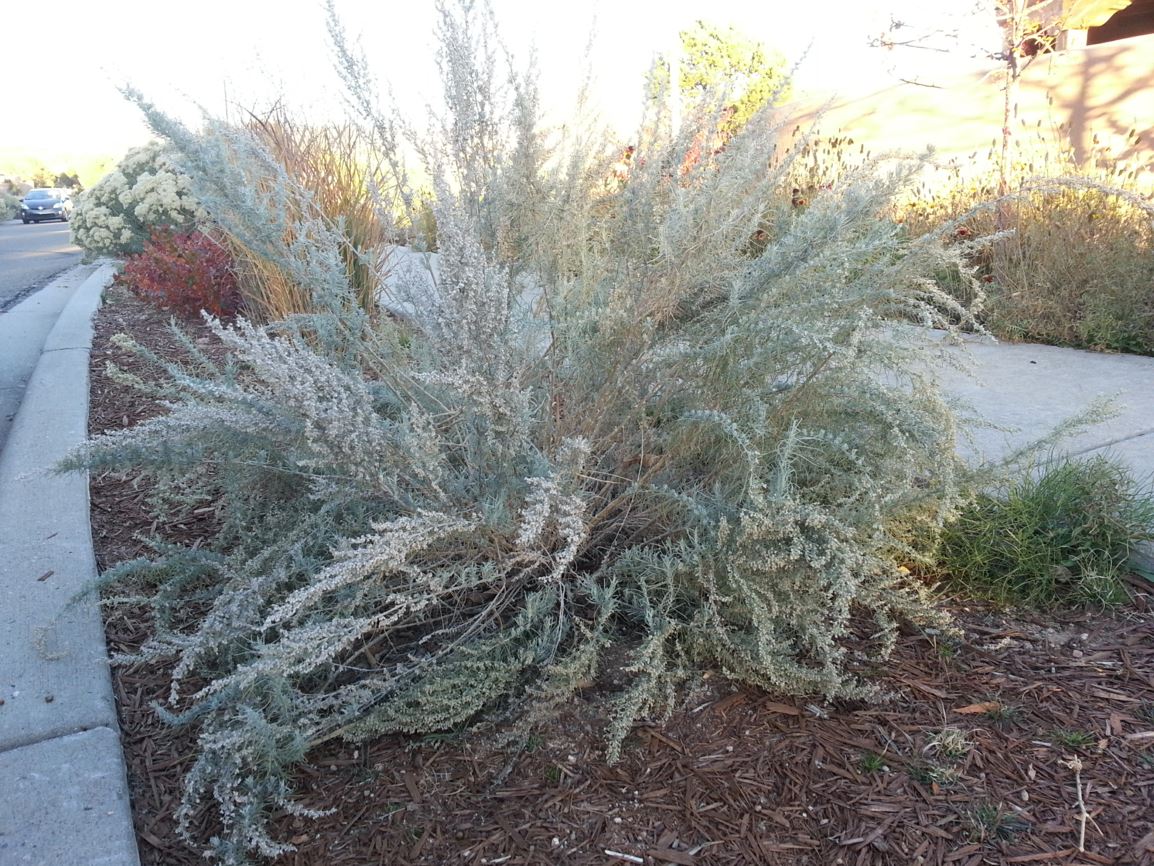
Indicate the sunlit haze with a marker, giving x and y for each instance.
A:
(66, 59)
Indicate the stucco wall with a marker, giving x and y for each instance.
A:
(1103, 91)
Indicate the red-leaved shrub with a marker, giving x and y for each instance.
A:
(185, 272)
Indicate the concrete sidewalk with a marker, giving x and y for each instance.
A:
(1029, 389)
(65, 797)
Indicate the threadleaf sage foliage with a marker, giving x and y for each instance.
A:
(665, 411)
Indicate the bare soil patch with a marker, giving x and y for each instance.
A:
(735, 776)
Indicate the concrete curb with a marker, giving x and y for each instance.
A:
(1142, 557)
(67, 799)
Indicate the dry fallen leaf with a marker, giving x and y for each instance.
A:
(974, 709)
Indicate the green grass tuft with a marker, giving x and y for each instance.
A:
(951, 743)
(1004, 715)
(992, 823)
(1061, 537)
(872, 762)
(1075, 739)
(934, 774)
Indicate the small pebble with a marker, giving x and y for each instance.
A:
(49, 698)
(1077, 654)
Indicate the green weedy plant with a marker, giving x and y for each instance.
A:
(605, 423)
(1062, 534)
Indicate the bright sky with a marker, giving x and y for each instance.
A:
(65, 59)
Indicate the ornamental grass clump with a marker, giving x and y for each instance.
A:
(601, 423)
(1077, 267)
(1061, 535)
(337, 175)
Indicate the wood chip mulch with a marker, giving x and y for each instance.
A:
(972, 760)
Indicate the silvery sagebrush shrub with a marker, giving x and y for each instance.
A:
(141, 194)
(603, 422)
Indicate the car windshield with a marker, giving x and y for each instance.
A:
(40, 193)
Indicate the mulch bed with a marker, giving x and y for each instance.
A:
(735, 776)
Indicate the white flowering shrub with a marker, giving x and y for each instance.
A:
(143, 193)
(9, 205)
(610, 420)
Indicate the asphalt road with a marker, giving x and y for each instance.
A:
(30, 255)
